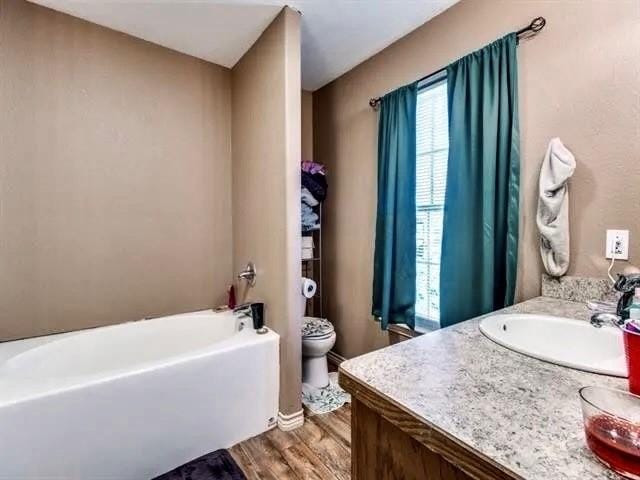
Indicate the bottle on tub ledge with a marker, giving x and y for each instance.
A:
(231, 297)
(231, 301)
(257, 313)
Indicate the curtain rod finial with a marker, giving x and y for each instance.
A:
(538, 24)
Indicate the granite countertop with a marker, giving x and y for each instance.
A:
(515, 410)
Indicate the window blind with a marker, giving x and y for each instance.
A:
(432, 149)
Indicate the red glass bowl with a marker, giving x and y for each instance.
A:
(612, 428)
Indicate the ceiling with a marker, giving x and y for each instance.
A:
(336, 34)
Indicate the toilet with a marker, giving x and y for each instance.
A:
(318, 337)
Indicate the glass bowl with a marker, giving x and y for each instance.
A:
(612, 428)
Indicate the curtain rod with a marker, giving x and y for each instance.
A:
(530, 30)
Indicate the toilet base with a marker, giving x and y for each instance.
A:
(315, 371)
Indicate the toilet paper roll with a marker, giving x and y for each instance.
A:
(309, 287)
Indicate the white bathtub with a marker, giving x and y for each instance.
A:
(135, 400)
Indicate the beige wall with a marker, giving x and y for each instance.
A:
(307, 125)
(578, 80)
(266, 185)
(115, 175)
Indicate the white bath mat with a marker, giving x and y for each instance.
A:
(324, 400)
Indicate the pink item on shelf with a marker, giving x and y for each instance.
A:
(313, 167)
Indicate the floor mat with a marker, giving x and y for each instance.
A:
(218, 465)
(327, 399)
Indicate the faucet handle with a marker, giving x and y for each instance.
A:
(249, 274)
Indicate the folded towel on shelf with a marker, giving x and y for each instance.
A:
(553, 207)
(316, 184)
(309, 217)
(307, 198)
(306, 210)
(310, 228)
(307, 242)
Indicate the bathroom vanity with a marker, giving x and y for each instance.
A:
(453, 404)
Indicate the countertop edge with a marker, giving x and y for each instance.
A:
(436, 439)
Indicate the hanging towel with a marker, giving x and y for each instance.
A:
(553, 207)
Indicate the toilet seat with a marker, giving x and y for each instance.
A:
(314, 328)
(318, 337)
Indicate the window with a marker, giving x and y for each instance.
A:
(431, 173)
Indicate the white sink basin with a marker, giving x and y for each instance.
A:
(563, 341)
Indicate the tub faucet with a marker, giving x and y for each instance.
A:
(243, 309)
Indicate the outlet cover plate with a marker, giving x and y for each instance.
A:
(620, 237)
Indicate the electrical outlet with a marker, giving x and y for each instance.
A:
(617, 244)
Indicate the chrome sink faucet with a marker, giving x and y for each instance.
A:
(626, 285)
(600, 318)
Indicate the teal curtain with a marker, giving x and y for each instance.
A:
(394, 274)
(480, 227)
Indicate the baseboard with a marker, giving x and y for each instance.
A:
(334, 359)
(290, 422)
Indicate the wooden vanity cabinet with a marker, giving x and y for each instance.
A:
(388, 443)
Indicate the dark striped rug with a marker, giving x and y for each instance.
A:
(218, 465)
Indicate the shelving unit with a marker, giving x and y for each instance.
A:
(312, 268)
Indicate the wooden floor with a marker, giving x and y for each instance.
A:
(321, 449)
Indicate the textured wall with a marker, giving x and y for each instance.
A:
(266, 149)
(115, 175)
(579, 80)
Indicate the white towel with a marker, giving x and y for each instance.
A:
(553, 207)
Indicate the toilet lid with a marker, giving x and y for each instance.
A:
(316, 327)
